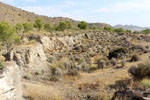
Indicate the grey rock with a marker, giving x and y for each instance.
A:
(10, 83)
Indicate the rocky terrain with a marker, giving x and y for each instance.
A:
(81, 63)
(60, 67)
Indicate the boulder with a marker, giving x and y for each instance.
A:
(10, 82)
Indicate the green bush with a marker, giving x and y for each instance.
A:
(27, 27)
(48, 27)
(55, 26)
(28, 76)
(69, 24)
(128, 31)
(146, 31)
(145, 83)
(7, 33)
(119, 30)
(83, 25)
(62, 26)
(115, 53)
(18, 27)
(17, 40)
(1, 65)
(93, 27)
(38, 24)
(109, 29)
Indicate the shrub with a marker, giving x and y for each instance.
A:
(38, 72)
(83, 25)
(140, 72)
(123, 62)
(113, 61)
(31, 42)
(1, 65)
(17, 40)
(56, 73)
(73, 72)
(101, 64)
(7, 33)
(146, 31)
(19, 27)
(135, 58)
(62, 26)
(128, 31)
(69, 24)
(28, 76)
(108, 28)
(118, 30)
(93, 27)
(27, 27)
(93, 68)
(55, 26)
(117, 52)
(145, 83)
(48, 27)
(38, 24)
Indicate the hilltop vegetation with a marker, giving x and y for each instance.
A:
(12, 34)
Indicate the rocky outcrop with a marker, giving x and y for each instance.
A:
(10, 82)
(30, 56)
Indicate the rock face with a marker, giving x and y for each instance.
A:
(10, 83)
(30, 56)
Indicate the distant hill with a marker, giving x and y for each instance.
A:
(131, 27)
(15, 15)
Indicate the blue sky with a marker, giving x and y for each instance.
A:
(135, 12)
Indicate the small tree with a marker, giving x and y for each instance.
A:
(38, 24)
(109, 29)
(7, 33)
(146, 31)
(48, 27)
(119, 30)
(93, 27)
(27, 27)
(55, 26)
(62, 26)
(83, 25)
(69, 24)
(128, 31)
(18, 27)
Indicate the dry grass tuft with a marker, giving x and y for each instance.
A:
(41, 92)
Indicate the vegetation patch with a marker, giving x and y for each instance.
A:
(117, 53)
(145, 83)
(1, 65)
(140, 72)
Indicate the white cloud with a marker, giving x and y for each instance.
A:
(57, 12)
(46, 10)
(126, 6)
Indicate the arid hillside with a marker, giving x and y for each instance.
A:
(15, 15)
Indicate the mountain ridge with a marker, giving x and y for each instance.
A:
(131, 27)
